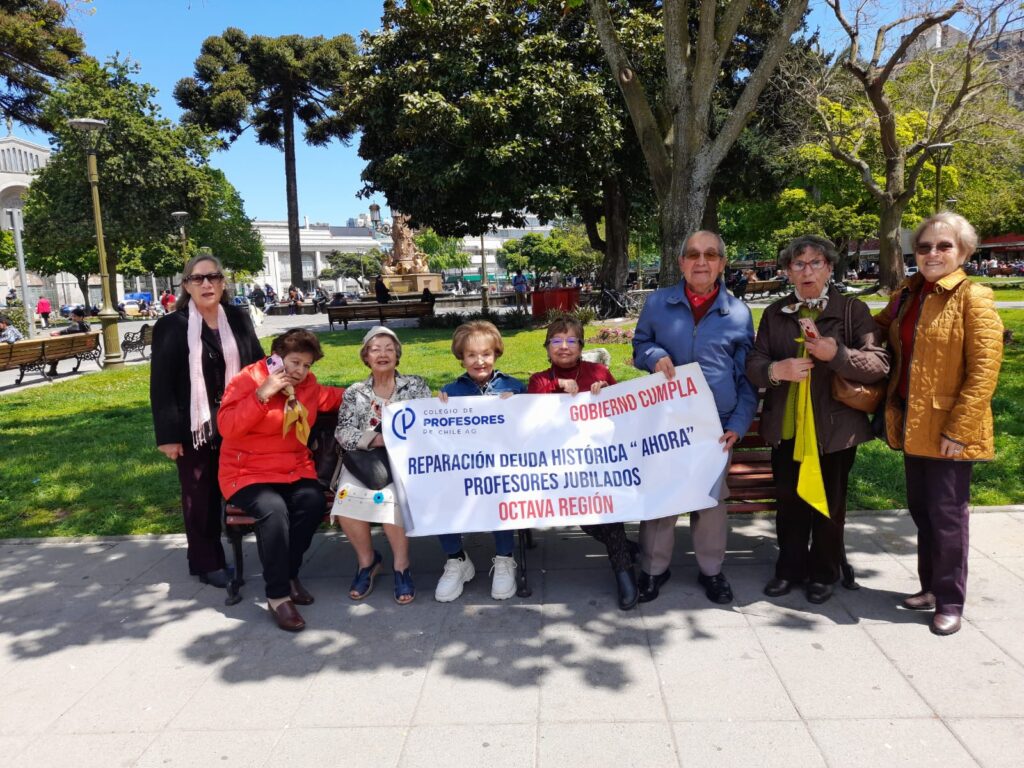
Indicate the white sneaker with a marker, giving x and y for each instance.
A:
(456, 573)
(503, 585)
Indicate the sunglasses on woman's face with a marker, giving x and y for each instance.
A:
(197, 279)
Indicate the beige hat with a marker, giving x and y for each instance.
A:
(377, 330)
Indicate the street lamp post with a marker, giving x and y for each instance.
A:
(19, 252)
(112, 358)
(940, 153)
(180, 218)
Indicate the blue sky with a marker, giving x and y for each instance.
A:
(164, 37)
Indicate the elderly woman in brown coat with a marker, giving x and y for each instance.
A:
(947, 343)
(811, 543)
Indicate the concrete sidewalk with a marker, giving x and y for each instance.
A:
(110, 655)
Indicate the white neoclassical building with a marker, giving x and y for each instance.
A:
(19, 159)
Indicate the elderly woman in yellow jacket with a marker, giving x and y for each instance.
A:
(947, 344)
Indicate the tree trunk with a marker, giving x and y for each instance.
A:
(890, 250)
(681, 213)
(83, 286)
(709, 220)
(292, 194)
(614, 270)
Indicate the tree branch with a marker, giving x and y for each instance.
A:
(651, 140)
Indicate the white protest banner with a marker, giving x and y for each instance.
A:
(639, 450)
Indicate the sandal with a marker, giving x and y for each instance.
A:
(404, 587)
(362, 584)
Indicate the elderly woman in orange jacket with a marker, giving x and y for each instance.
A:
(266, 468)
(947, 343)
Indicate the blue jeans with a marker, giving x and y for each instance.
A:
(504, 542)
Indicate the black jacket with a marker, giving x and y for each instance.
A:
(169, 387)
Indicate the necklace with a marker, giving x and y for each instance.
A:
(385, 398)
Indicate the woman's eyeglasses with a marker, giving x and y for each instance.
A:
(197, 279)
(944, 246)
(568, 342)
(800, 266)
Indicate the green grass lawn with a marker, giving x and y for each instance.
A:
(79, 457)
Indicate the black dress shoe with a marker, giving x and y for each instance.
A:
(818, 593)
(945, 624)
(217, 579)
(649, 586)
(716, 588)
(778, 587)
(628, 593)
(299, 594)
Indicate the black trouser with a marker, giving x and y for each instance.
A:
(613, 536)
(287, 515)
(938, 491)
(798, 524)
(200, 505)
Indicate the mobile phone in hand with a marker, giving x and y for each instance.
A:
(809, 328)
(275, 363)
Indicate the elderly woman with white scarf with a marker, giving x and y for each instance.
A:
(197, 349)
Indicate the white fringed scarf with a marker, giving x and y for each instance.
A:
(201, 421)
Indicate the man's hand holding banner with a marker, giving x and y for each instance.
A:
(639, 450)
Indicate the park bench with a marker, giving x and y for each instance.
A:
(137, 341)
(37, 354)
(762, 288)
(381, 312)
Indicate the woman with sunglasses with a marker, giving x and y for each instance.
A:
(947, 346)
(569, 374)
(197, 349)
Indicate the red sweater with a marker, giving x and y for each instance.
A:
(585, 374)
(253, 450)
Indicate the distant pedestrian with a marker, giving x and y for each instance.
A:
(43, 310)
(381, 290)
(8, 332)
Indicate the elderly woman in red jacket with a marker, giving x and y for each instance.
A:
(266, 468)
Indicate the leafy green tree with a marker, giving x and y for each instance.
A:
(708, 72)
(148, 167)
(38, 45)
(566, 249)
(8, 258)
(355, 266)
(891, 99)
(270, 84)
(225, 228)
(442, 252)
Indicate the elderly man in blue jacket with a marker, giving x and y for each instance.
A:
(697, 321)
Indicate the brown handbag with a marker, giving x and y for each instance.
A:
(854, 394)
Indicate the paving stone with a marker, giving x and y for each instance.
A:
(107, 750)
(986, 682)
(993, 592)
(585, 599)
(224, 749)
(592, 676)
(367, 683)
(1013, 564)
(739, 685)
(833, 669)
(347, 746)
(997, 535)
(50, 561)
(994, 742)
(907, 743)
(599, 743)
(492, 745)
(740, 742)
(1008, 635)
(482, 678)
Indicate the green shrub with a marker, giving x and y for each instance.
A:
(515, 320)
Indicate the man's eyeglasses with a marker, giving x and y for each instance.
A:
(943, 246)
(567, 342)
(708, 255)
(800, 266)
(197, 279)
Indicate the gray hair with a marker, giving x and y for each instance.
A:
(364, 351)
(965, 234)
(821, 245)
(718, 237)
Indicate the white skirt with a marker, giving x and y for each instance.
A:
(354, 500)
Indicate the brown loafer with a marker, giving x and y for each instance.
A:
(299, 595)
(287, 617)
(945, 624)
(922, 601)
